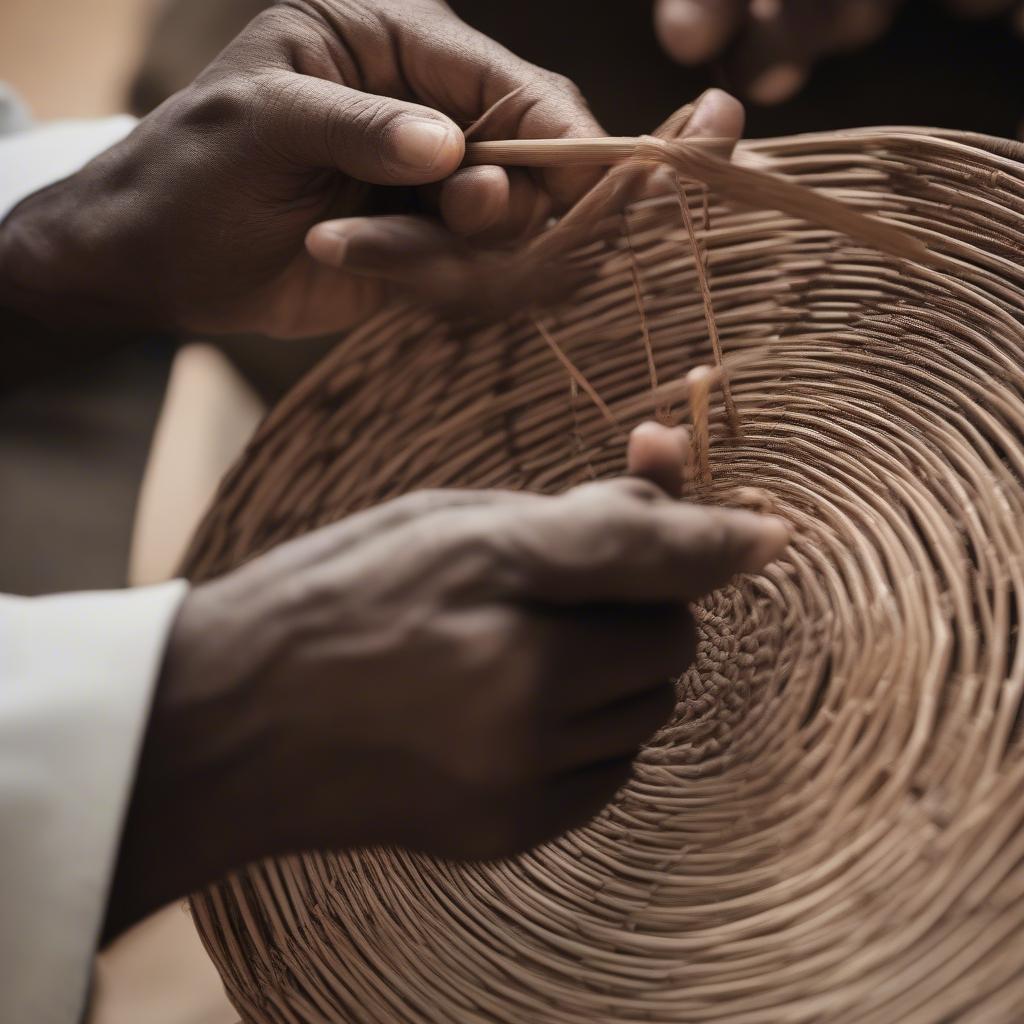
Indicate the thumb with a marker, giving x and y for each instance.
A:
(375, 139)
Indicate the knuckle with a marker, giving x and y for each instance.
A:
(711, 534)
(275, 100)
(454, 551)
(419, 503)
(558, 82)
(502, 722)
(491, 642)
(517, 555)
(634, 533)
(283, 18)
(639, 489)
(225, 100)
(374, 116)
(355, 118)
(623, 496)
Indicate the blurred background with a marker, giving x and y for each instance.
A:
(80, 59)
(72, 59)
(105, 473)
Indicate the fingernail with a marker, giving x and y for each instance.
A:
(419, 143)
(327, 244)
(767, 538)
(776, 84)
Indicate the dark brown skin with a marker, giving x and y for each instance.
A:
(197, 221)
(462, 673)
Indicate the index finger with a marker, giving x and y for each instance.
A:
(611, 542)
(477, 81)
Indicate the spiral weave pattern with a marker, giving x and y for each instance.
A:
(830, 829)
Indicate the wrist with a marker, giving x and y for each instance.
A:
(67, 255)
(192, 816)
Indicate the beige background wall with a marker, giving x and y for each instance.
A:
(70, 58)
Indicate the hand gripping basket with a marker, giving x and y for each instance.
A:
(831, 827)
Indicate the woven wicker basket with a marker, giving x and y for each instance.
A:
(831, 827)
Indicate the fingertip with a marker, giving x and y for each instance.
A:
(658, 453)
(475, 199)
(327, 243)
(384, 245)
(762, 539)
(717, 114)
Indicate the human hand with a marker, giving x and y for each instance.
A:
(316, 111)
(463, 673)
(774, 43)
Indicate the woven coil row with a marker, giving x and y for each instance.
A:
(831, 827)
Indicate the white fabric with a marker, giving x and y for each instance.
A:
(76, 678)
(77, 673)
(42, 155)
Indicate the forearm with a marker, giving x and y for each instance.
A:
(189, 819)
(67, 255)
(228, 773)
(70, 285)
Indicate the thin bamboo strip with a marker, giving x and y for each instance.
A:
(702, 160)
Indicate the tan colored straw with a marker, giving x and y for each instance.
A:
(831, 828)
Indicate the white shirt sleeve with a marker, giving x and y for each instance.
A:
(33, 158)
(77, 673)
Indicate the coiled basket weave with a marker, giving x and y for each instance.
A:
(832, 827)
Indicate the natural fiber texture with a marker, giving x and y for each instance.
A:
(831, 827)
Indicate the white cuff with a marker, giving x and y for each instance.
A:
(77, 673)
(37, 157)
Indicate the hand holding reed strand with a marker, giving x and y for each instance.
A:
(466, 673)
